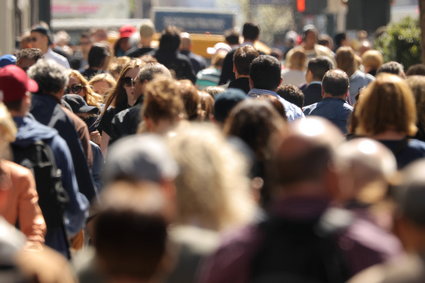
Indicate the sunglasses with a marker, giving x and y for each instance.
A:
(128, 81)
(74, 89)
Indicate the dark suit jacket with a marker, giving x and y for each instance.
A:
(241, 83)
(312, 93)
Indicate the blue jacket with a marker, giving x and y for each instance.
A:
(30, 131)
(334, 109)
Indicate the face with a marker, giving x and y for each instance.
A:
(311, 38)
(129, 85)
(39, 40)
(85, 45)
(75, 87)
(101, 87)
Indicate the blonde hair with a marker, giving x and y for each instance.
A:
(105, 77)
(386, 104)
(297, 60)
(372, 59)
(212, 187)
(116, 65)
(91, 97)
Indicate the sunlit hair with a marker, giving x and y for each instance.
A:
(91, 97)
(191, 99)
(297, 60)
(417, 85)
(214, 90)
(346, 60)
(372, 59)
(116, 64)
(105, 77)
(386, 104)
(7, 130)
(50, 77)
(212, 187)
(162, 100)
(118, 97)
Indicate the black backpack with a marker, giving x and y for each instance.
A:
(301, 251)
(39, 158)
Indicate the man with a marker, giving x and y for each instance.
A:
(41, 38)
(409, 224)
(250, 33)
(316, 69)
(27, 57)
(198, 63)
(97, 59)
(300, 239)
(333, 106)
(46, 109)
(168, 55)
(126, 122)
(242, 59)
(264, 78)
(15, 86)
(147, 30)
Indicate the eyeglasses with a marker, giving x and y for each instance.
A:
(74, 89)
(128, 81)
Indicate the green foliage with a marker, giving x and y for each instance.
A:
(401, 42)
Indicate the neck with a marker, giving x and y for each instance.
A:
(389, 135)
(241, 76)
(328, 95)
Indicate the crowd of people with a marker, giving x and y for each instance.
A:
(140, 161)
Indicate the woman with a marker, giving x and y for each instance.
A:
(102, 84)
(77, 84)
(120, 98)
(386, 112)
(295, 72)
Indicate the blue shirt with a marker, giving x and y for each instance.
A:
(334, 109)
(293, 112)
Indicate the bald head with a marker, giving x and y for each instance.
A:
(185, 41)
(306, 155)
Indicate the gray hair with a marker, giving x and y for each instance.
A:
(50, 76)
(150, 71)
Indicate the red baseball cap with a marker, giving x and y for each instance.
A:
(127, 31)
(14, 83)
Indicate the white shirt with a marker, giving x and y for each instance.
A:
(59, 59)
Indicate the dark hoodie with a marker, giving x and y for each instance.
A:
(30, 131)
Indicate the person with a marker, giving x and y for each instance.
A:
(7, 59)
(122, 45)
(346, 61)
(98, 60)
(224, 103)
(146, 30)
(27, 57)
(316, 69)
(41, 38)
(168, 55)
(191, 99)
(390, 122)
(295, 69)
(46, 109)
(264, 76)
(198, 63)
(15, 86)
(372, 60)
(289, 245)
(211, 75)
(21, 209)
(242, 59)
(102, 84)
(292, 94)
(340, 40)
(79, 60)
(392, 67)
(417, 85)
(416, 70)
(409, 227)
(126, 121)
(250, 33)
(120, 98)
(333, 105)
(77, 84)
(206, 108)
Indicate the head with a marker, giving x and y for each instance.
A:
(78, 84)
(366, 167)
(102, 84)
(232, 37)
(98, 56)
(191, 99)
(170, 39)
(16, 88)
(148, 73)
(310, 35)
(116, 64)
(79, 106)
(27, 57)
(297, 60)
(250, 32)
(275, 102)
(7, 59)
(214, 90)
(417, 85)
(50, 77)
(387, 104)
(225, 102)
(243, 58)
(212, 186)
(291, 93)
(206, 106)
(416, 70)
(346, 60)
(41, 38)
(146, 30)
(185, 41)
(409, 221)
(163, 107)
(317, 67)
(340, 39)
(335, 83)
(372, 60)
(304, 163)
(217, 59)
(392, 67)
(264, 73)
(326, 40)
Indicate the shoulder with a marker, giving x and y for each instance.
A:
(16, 170)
